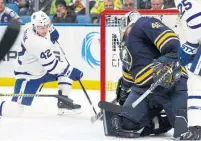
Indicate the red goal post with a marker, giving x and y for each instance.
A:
(110, 64)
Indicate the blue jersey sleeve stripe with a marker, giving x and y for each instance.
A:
(194, 97)
(19, 62)
(64, 83)
(193, 17)
(194, 108)
(53, 66)
(21, 53)
(48, 63)
(195, 63)
(21, 73)
(192, 45)
(195, 26)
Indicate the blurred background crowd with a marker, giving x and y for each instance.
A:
(72, 11)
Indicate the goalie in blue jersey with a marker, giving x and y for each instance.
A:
(37, 63)
(149, 49)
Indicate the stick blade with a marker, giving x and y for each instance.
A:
(9, 37)
(114, 108)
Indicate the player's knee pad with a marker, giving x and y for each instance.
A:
(193, 82)
(11, 109)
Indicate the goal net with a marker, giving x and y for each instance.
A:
(110, 60)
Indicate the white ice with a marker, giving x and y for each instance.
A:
(40, 122)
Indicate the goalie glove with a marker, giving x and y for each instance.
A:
(122, 91)
(160, 69)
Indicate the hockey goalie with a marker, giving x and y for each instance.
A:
(149, 49)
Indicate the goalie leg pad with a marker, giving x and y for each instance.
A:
(141, 109)
(181, 122)
(113, 122)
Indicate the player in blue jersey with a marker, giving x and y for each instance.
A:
(37, 64)
(149, 49)
(189, 54)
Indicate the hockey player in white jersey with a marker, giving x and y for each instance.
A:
(37, 64)
(190, 56)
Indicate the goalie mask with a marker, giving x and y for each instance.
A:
(126, 21)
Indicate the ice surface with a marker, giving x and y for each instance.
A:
(40, 122)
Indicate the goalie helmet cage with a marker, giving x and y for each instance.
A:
(110, 65)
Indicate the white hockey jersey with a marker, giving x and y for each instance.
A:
(36, 56)
(190, 11)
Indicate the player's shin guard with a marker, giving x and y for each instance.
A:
(113, 126)
(181, 123)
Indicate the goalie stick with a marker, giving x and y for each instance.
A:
(100, 114)
(120, 109)
(9, 37)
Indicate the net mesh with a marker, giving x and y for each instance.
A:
(110, 60)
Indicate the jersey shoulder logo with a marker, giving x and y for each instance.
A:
(156, 25)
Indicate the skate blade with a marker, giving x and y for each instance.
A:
(69, 112)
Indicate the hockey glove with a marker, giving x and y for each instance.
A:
(54, 34)
(169, 59)
(75, 74)
(186, 54)
(122, 91)
(169, 80)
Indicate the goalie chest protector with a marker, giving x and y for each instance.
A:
(148, 39)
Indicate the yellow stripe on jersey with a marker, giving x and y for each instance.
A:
(184, 72)
(127, 77)
(171, 38)
(164, 37)
(160, 35)
(144, 75)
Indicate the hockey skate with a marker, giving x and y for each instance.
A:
(67, 106)
(193, 133)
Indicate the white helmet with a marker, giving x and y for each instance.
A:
(40, 19)
(127, 20)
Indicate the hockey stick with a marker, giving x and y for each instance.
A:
(85, 92)
(60, 97)
(100, 114)
(120, 109)
(9, 37)
(83, 88)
